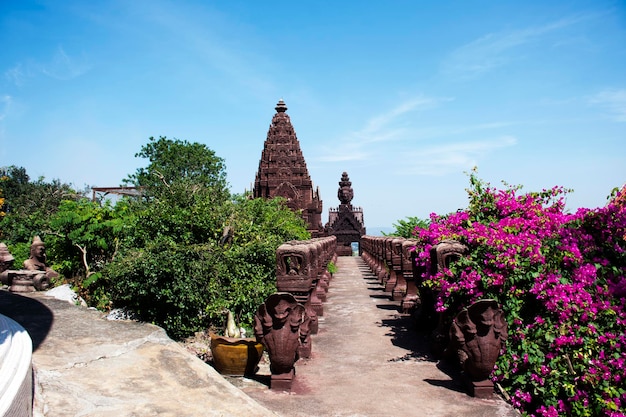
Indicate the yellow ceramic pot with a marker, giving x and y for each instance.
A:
(235, 356)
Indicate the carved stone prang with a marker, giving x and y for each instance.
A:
(477, 336)
(283, 172)
(282, 326)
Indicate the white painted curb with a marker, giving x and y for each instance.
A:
(16, 375)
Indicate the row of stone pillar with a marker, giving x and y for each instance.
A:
(286, 320)
(474, 336)
(392, 260)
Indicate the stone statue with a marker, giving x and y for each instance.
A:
(477, 335)
(282, 326)
(37, 262)
(6, 263)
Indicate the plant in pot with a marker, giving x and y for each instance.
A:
(233, 354)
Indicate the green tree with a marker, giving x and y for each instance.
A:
(179, 167)
(184, 277)
(85, 236)
(190, 249)
(29, 205)
(406, 228)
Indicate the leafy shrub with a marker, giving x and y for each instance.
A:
(561, 281)
(190, 249)
(185, 286)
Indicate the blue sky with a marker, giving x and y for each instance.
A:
(406, 96)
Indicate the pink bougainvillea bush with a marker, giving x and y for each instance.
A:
(561, 280)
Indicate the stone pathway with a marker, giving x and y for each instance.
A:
(368, 362)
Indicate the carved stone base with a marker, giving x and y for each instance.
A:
(304, 351)
(479, 389)
(409, 303)
(398, 293)
(282, 382)
(314, 323)
(317, 307)
(19, 285)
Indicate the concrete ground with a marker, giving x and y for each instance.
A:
(367, 361)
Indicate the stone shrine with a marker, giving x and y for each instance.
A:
(345, 222)
(283, 172)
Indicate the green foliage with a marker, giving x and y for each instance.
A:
(29, 204)
(178, 257)
(406, 228)
(331, 268)
(85, 235)
(183, 279)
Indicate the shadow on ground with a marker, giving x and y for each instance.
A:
(32, 315)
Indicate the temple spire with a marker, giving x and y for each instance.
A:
(281, 107)
(283, 172)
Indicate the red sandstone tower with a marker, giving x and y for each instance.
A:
(282, 172)
(345, 221)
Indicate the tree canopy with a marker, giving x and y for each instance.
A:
(179, 166)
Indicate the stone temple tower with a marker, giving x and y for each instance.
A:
(282, 172)
(346, 221)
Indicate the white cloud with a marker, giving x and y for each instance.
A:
(385, 127)
(64, 67)
(498, 49)
(15, 75)
(453, 157)
(5, 105)
(614, 101)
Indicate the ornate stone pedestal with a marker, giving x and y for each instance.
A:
(479, 389)
(27, 281)
(282, 382)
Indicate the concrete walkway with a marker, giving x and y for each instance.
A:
(368, 362)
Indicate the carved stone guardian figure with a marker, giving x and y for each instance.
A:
(6, 263)
(282, 325)
(477, 335)
(35, 275)
(37, 262)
